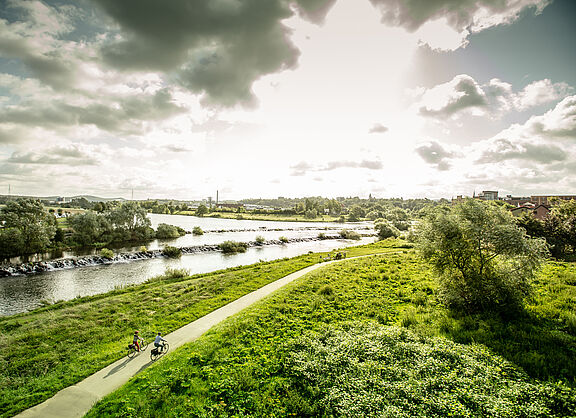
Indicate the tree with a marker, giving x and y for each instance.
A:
(201, 210)
(385, 229)
(89, 227)
(130, 222)
(484, 260)
(35, 226)
(560, 228)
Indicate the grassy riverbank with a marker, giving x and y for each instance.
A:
(263, 217)
(367, 337)
(51, 348)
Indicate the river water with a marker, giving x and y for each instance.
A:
(23, 293)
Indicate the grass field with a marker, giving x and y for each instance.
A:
(264, 217)
(367, 337)
(51, 348)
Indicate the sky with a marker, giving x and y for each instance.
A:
(268, 98)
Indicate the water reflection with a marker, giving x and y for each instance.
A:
(22, 293)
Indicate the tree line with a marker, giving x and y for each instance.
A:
(26, 227)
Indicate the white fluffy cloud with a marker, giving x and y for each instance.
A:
(463, 94)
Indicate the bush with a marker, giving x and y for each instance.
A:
(321, 235)
(349, 234)
(175, 274)
(283, 239)
(165, 231)
(231, 247)
(260, 240)
(367, 370)
(106, 253)
(143, 249)
(197, 231)
(171, 252)
(385, 229)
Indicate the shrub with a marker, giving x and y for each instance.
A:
(349, 234)
(171, 252)
(260, 240)
(231, 247)
(321, 235)
(197, 231)
(283, 239)
(106, 253)
(175, 274)
(165, 231)
(143, 249)
(385, 229)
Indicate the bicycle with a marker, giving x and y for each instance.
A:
(132, 348)
(159, 351)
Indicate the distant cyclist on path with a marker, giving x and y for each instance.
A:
(136, 339)
(158, 341)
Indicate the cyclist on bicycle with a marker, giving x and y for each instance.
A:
(159, 341)
(136, 339)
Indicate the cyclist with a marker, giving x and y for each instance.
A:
(159, 341)
(135, 340)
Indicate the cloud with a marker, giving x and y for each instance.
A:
(503, 149)
(463, 94)
(70, 156)
(444, 100)
(121, 114)
(434, 154)
(463, 16)
(216, 47)
(302, 168)
(559, 122)
(378, 128)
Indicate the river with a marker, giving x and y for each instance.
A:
(23, 293)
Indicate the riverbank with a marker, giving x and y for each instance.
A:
(45, 350)
(367, 337)
(263, 217)
(95, 260)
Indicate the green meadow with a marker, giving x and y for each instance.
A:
(46, 350)
(367, 337)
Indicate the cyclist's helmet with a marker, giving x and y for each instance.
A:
(136, 332)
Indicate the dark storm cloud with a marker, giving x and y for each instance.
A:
(378, 128)
(460, 14)
(504, 149)
(219, 47)
(435, 155)
(122, 115)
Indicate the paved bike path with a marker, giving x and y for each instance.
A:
(76, 400)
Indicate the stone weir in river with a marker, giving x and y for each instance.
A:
(95, 260)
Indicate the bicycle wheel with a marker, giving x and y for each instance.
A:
(131, 352)
(165, 349)
(143, 345)
(154, 354)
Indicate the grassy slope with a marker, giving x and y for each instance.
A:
(51, 348)
(244, 366)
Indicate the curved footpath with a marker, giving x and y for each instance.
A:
(78, 399)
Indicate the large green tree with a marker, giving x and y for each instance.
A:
(29, 224)
(89, 227)
(484, 260)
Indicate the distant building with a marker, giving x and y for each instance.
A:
(545, 200)
(539, 212)
(488, 195)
